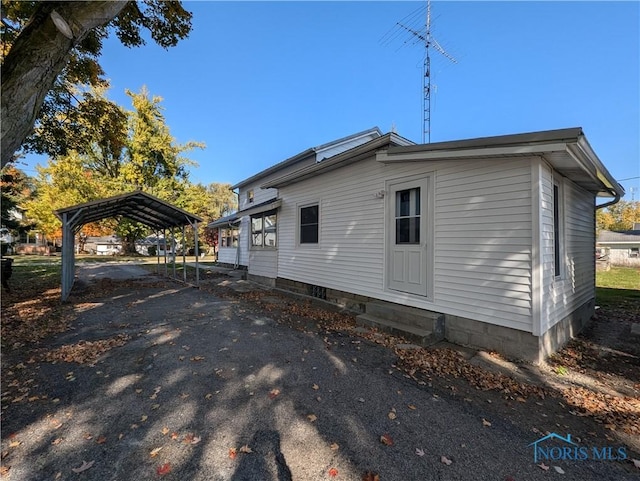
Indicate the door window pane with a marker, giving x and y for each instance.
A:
(256, 231)
(408, 216)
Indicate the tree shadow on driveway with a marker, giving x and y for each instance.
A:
(203, 375)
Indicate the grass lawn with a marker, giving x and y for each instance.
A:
(620, 286)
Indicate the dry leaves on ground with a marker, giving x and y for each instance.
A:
(84, 352)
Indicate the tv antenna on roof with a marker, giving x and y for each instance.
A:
(426, 38)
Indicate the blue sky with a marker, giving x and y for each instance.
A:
(258, 82)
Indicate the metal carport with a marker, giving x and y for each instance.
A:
(137, 206)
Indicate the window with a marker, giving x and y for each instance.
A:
(557, 230)
(250, 196)
(408, 216)
(228, 237)
(264, 230)
(634, 252)
(309, 223)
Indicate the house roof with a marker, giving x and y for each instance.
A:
(224, 221)
(567, 150)
(345, 158)
(305, 155)
(138, 206)
(623, 237)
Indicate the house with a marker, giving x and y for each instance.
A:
(621, 248)
(248, 238)
(486, 242)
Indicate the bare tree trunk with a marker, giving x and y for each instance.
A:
(38, 56)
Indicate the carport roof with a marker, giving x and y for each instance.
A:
(138, 206)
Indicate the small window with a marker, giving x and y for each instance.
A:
(264, 230)
(408, 216)
(250, 196)
(634, 252)
(557, 230)
(229, 237)
(309, 217)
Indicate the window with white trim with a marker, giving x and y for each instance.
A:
(250, 196)
(558, 229)
(264, 229)
(309, 224)
(228, 237)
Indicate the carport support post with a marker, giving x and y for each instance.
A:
(164, 238)
(196, 251)
(158, 251)
(184, 254)
(68, 258)
(173, 249)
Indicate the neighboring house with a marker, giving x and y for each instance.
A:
(102, 245)
(248, 238)
(486, 242)
(621, 248)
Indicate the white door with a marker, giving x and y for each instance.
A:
(407, 236)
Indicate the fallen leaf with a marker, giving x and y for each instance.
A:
(208, 396)
(174, 435)
(391, 415)
(369, 476)
(197, 358)
(558, 469)
(138, 391)
(274, 393)
(4, 470)
(386, 440)
(165, 430)
(155, 406)
(154, 452)
(196, 440)
(57, 441)
(412, 407)
(420, 452)
(134, 426)
(485, 423)
(233, 453)
(164, 469)
(445, 460)
(543, 466)
(15, 444)
(144, 418)
(88, 436)
(101, 440)
(312, 417)
(246, 449)
(83, 467)
(333, 472)
(315, 387)
(636, 463)
(334, 446)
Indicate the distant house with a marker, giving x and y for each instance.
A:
(486, 242)
(102, 245)
(622, 248)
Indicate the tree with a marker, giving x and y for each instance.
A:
(618, 217)
(137, 152)
(15, 187)
(49, 46)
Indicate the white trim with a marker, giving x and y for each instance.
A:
(299, 207)
(465, 154)
(558, 182)
(537, 273)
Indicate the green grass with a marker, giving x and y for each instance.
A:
(619, 278)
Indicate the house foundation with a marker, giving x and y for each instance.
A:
(512, 343)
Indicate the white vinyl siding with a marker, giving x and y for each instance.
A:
(482, 232)
(263, 263)
(561, 296)
(227, 255)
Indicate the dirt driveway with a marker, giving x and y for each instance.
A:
(161, 381)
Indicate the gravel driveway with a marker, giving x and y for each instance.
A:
(210, 388)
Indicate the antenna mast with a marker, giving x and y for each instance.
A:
(428, 41)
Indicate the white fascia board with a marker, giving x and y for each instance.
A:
(465, 154)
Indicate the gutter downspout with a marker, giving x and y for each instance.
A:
(616, 199)
(236, 264)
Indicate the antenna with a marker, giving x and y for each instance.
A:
(428, 41)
